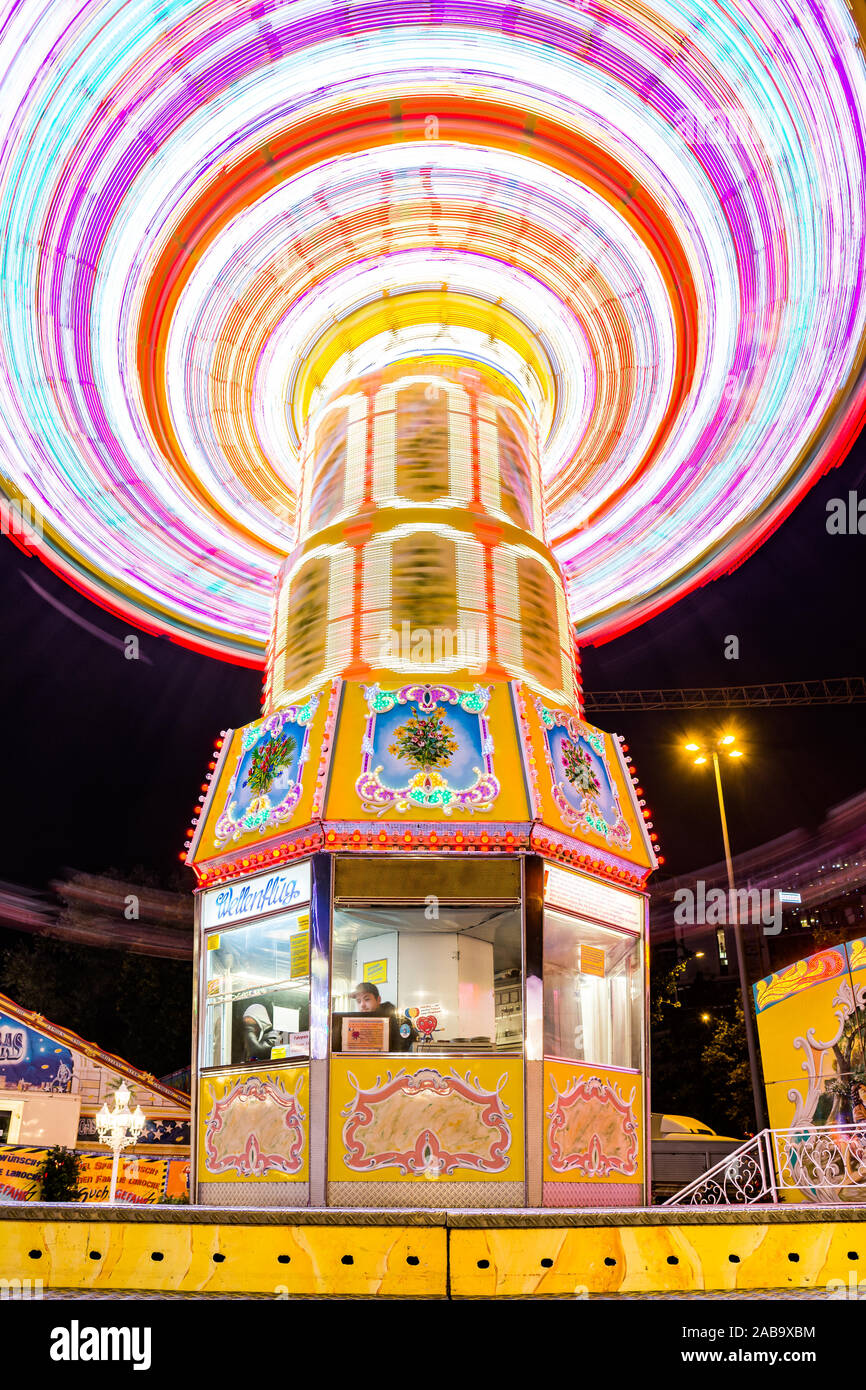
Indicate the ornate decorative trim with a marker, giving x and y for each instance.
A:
(265, 812)
(256, 1156)
(589, 816)
(427, 788)
(426, 1156)
(591, 1159)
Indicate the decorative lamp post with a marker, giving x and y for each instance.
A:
(704, 752)
(119, 1128)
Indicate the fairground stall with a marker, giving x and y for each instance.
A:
(421, 924)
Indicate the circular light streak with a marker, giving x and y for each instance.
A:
(649, 217)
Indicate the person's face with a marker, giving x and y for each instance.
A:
(366, 1003)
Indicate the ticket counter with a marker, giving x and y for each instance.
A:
(406, 1031)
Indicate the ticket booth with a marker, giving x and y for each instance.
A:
(421, 913)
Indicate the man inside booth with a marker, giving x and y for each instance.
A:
(401, 1033)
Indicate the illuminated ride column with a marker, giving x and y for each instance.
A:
(421, 919)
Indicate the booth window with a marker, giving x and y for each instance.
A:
(592, 992)
(258, 992)
(412, 979)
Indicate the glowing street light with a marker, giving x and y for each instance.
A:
(710, 749)
(119, 1128)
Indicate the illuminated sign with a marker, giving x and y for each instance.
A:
(235, 902)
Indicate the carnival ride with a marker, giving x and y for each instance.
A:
(327, 327)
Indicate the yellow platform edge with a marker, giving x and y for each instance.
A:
(432, 1257)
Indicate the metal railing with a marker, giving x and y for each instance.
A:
(825, 1164)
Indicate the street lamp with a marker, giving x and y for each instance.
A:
(119, 1128)
(704, 752)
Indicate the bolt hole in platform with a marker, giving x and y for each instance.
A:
(794, 1258)
(734, 1259)
(95, 1254)
(547, 1264)
(852, 1255)
(284, 1259)
(157, 1255)
(218, 1259)
(348, 1260)
(483, 1264)
(412, 1260)
(673, 1260)
(37, 1255)
(609, 1260)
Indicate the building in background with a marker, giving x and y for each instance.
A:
(814, 887)
(52, 1083)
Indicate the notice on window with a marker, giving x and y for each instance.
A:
(286, 1020)
(376, 972)
(299, 947)
(592, 960)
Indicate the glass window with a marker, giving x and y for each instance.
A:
(592, 992)
(258, 991)
(405, 980)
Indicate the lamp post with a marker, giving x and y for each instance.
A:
(704, 752)
(119, 1128)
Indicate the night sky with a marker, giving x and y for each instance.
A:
(104, 757)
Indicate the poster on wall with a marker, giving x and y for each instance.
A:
(32, 1061)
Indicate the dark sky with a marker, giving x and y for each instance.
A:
(104, 757)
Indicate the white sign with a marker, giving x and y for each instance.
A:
(235, 902)
(589, 898)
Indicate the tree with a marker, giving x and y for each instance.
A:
(268, 761)
(137, 1006)
(58, 1176)
(425, 741)
(664, 994)
(725, 1064)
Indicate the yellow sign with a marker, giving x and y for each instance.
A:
(376, 972)
(299, 947)
(139, 1180)
(592, 960)
(213, 942)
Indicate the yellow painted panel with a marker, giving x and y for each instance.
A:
(593, 1124)
(419, 1119)
(254, 1126)
(214, 840)
(411, 1262)
(645, 1259)
(628, 843)
(385, 1260)
(344, 803)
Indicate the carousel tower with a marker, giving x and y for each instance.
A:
(421, 918)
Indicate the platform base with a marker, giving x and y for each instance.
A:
(430, 1254)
